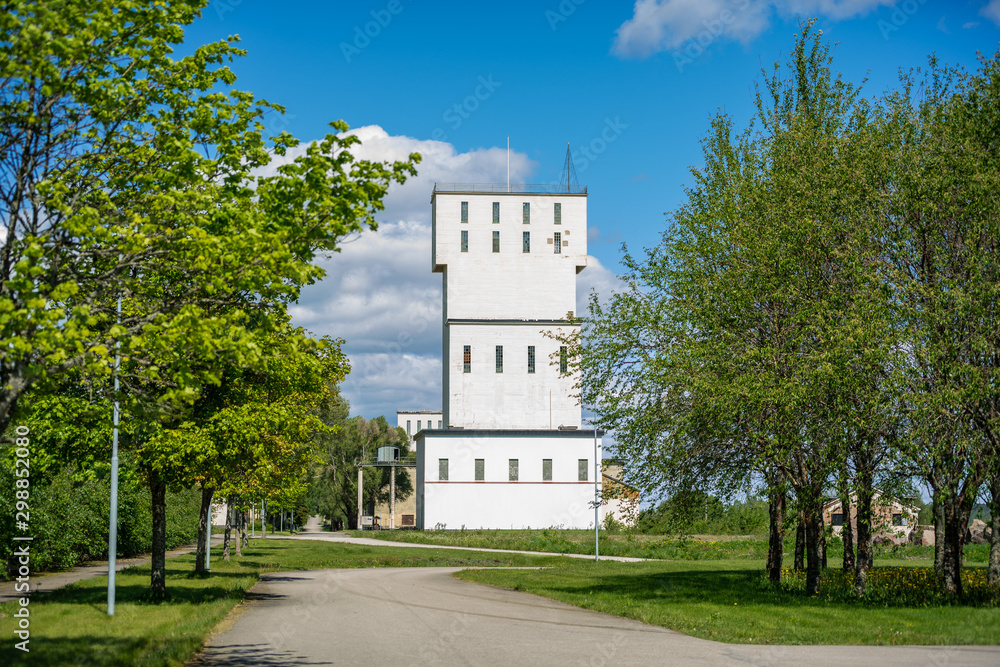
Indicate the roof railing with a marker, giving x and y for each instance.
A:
(513, 188)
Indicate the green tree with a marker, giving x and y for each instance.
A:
(125, 172)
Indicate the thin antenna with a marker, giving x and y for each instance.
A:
(508, 163)
(568, 178)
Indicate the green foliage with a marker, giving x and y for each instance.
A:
(139, 181)
(697, 513)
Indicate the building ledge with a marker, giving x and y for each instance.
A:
(505, 432)
(510, 188)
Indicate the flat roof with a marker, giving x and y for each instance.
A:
(418, 412)
(510, 188)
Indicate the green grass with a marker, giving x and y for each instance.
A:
(582, 542)
(70, 626)
(729, 601)
(638, 545)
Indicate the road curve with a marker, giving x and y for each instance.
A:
(424, 616)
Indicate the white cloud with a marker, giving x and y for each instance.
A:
(991, 11)
(663, 25)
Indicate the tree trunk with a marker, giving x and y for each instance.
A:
(814, 539)
(263, 520)
(866, 553)
(158, 567)
(800, 543)
(847, 532)
(951, 568)
(229, 527)
(204, 521)
(238, 521)
(244, 535)
(776, 539)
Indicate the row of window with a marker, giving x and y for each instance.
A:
(513, 470)
(467, 360)
(557, 242)
(419, 425)
(525, 213)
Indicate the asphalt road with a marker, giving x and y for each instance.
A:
(423, 616)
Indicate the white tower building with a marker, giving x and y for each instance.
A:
(512, 453)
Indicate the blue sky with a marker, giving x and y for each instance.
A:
(630, 87)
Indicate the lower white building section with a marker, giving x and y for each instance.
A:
(487, 478)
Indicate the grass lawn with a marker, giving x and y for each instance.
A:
(582, 542)
(729, 601)
(70, 626)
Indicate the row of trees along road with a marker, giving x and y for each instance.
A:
(127, 173)
(822, 312)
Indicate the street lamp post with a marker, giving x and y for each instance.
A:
(597, 497)
(113, 519)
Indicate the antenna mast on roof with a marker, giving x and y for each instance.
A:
(568, 179)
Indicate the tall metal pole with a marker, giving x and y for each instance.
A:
(113, 519)
(361, 485)
(597, 498)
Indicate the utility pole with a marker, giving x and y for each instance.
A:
(113, 519)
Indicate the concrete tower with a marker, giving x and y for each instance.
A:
(510, 261)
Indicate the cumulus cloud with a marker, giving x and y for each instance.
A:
(991, 11)
(664, 25)
(380, 295)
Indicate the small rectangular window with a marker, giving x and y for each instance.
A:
(480, 470)
(408, 427)
(557, 239)
(581, 470)
(443, 470)
(526, 242)
(526, 214)
(439, 423)
(531, 358)
(496, 241)
(563, 361)
(465, 211)
(467, 359)
(465, 241)
(837, 519)
(418, 426)
(546, 470)
(557, 213)
(512, 470)
(898, 520)
(499, 358)
(496, 213)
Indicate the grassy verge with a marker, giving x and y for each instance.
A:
(729, 601)
(582, 542)
(637, 545)
(70, 626)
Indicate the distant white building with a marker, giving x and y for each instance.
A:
(511, 453)
(414, 421)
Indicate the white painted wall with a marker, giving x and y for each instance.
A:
(496, 502)
(512, 399)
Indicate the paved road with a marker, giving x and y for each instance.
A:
(423, 616)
